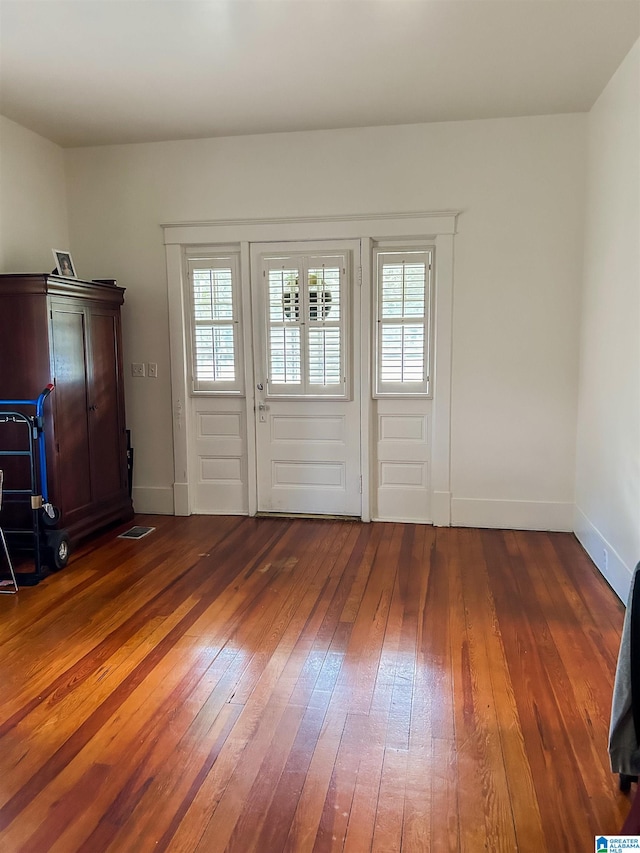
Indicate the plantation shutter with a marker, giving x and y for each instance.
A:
(325, 350)
(306, 339)
(285, 329)
(214, 317)
(403, 298)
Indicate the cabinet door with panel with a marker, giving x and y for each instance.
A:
(71, 465)
(89, 410)
(107, 431)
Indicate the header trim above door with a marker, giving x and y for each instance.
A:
(377, 226)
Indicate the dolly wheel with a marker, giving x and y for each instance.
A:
(625, 782)
(50, 517)
(58, 542)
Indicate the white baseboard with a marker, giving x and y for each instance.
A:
(512, 515)
(402, 520)
(153, 500)
(608, 561)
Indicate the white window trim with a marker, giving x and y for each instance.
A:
(438, 228)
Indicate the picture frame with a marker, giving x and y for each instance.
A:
(64, 263)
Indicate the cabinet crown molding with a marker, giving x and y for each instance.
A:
(20, 284)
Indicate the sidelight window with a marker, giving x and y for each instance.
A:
(404, 293)
(215, 323)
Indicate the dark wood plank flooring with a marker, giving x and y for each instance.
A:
(267, 685)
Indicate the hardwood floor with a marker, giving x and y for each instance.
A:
(236, 684)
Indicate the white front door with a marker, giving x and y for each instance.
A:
(307, 373)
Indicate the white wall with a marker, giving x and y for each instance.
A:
(608, 443)
(33, 207)
(518, 253)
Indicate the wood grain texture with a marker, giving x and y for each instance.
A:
(266, 685)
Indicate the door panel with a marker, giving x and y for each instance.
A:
(308, 458)
(403, 452)
(219, 456)
(308, 379)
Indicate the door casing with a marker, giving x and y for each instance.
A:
(437, 227)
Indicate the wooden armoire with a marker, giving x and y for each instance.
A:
(67, 331)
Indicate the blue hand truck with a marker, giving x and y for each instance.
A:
(50, 546)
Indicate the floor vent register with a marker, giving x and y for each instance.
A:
(136, 533)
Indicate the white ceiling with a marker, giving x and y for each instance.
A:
(92, 72)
